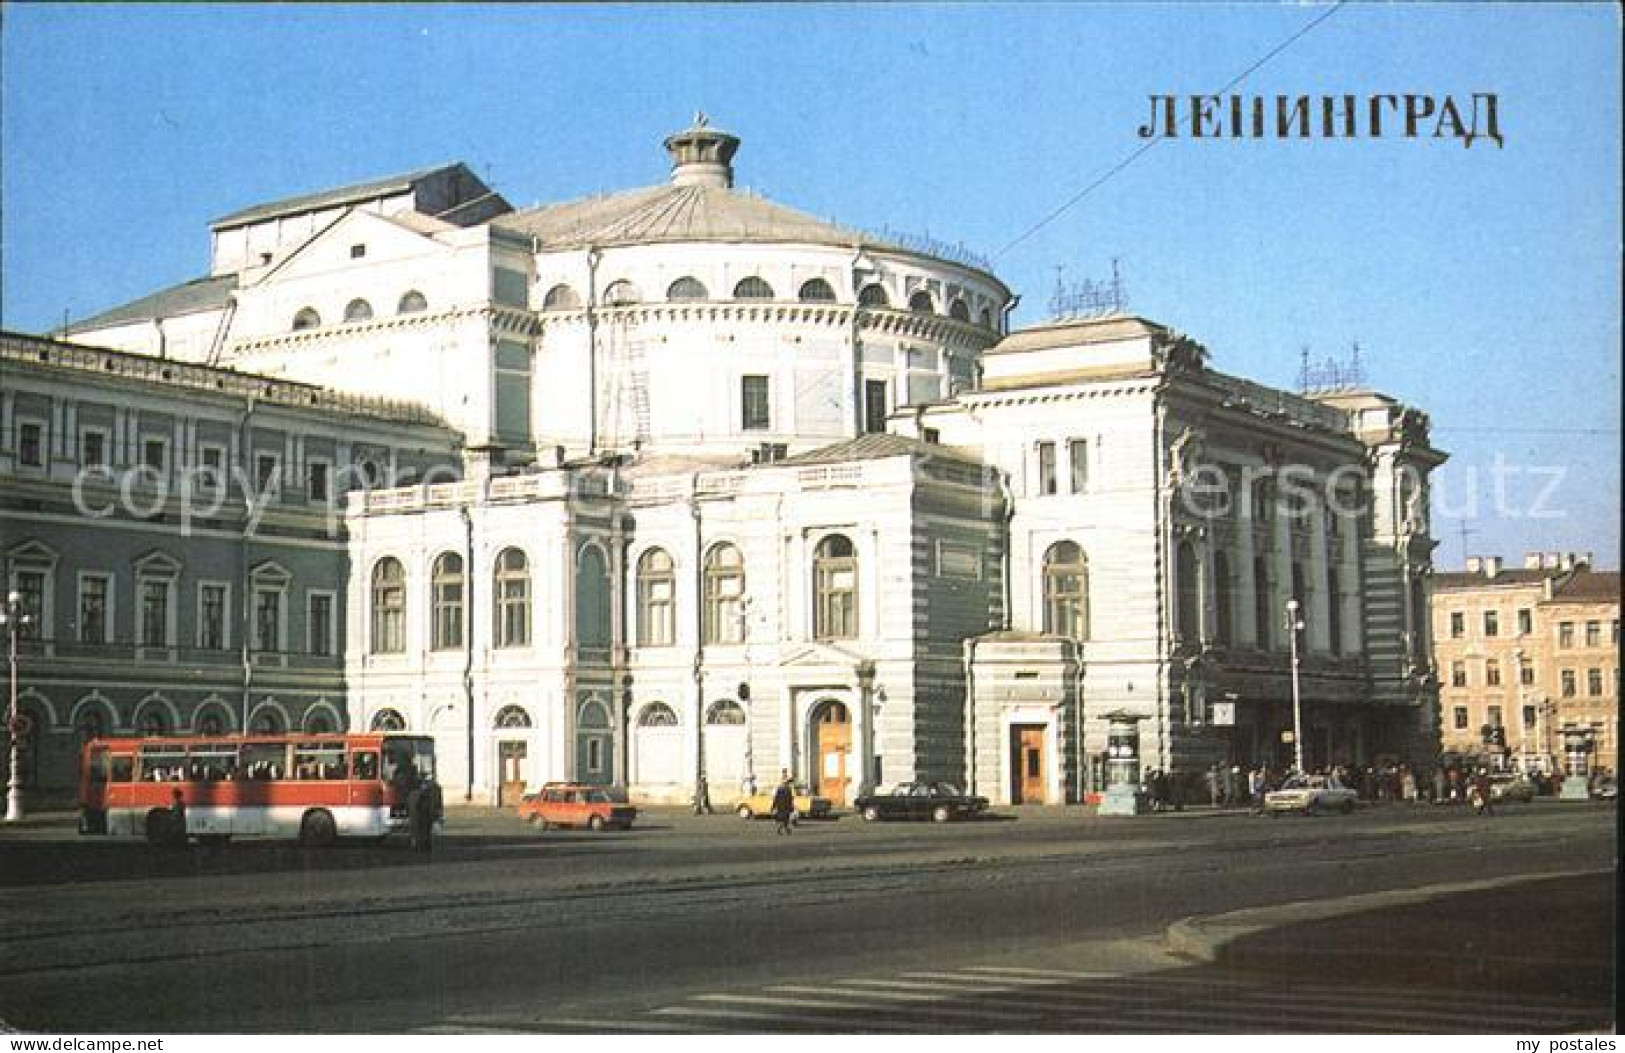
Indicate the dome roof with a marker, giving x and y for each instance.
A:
(695, 212)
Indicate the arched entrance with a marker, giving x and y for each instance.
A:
(832, 752)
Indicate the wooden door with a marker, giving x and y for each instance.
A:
(833, 753)
(1028, 765)
(511, 759)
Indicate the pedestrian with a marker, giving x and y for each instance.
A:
(177, 820)
(420, 814)
(1255, 789)
(1481, 793)
(784, 805)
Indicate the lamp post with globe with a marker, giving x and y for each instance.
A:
(14, 618)
(1294, 626)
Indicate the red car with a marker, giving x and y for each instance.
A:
(571, 804)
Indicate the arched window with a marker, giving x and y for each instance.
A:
(835, 580)
(1187, 594)
(317, 722)
(1066, 591)
(1224, 598)
(922, 303)
(152, 720)
(267, 721)
(592, 598)
(212, 722)
(592, 715)
(724, 595)
(873, 295)
(306, 318)
(511, 717)
(753, 288)
(561, 298)
(958, 311)
(622, 292)
(388, 606)
(412, 303)
(657, 585)
(657, 715)
(511, 591)
(726, 712)
(446, 598)
(357, 310)
(816, 290)
(388, 720)
(686, 289)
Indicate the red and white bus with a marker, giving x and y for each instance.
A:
(317, 788)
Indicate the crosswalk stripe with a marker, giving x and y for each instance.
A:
(912, 1008)
(870, 993)
(981, 981)
(1016, 970)
(777, 1018)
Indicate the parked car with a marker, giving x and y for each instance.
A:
(938, 801)
(807, 805)
(1511, 788)
(1310, 794)
(1606, 790)
(571, 804)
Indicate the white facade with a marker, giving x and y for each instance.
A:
(649, 379)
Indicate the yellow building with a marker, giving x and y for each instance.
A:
(1525, 653)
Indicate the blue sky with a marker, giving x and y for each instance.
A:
(1482, 284)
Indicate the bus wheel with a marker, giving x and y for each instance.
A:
(158, 827)
(318, 830)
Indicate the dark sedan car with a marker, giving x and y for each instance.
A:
(938, 801)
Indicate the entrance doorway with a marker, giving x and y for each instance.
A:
(1029, 765)
(832, 752)
(511, 764)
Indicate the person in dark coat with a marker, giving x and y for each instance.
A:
(177, 820)
(784, 806)
(420, 813)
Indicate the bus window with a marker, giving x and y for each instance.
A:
(324, 760)
(264, 760)
(212, 762)
(163, 763)
(419, 752)
(123, 768)
(366, 765)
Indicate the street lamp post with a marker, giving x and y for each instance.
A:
(1294, 626)
(13, 617)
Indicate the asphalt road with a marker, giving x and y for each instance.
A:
(1040, 920)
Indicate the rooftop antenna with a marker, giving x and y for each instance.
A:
(1464, 530)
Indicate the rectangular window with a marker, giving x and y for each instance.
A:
(1528, 716)
(1046, 467)
(1526, 621)
(1526, 674)
(267, 620)
(155, 612)
(30, 586)
(1565, 634)
(318, 481)
(93, 597)
(1458, 625)
(1078, 457)
(1594, 682)
(211, 616)
(265, 473)
(755, 412)
(92, 448)
(1593, 634)
(154, 454)
(1492, 672)
(1458, 674)
(31, 444)
(1492, 623)
(1570, 684)
(1495, 716)
(212, 468)
(319, 624)
(874, 406)
(1460, 718)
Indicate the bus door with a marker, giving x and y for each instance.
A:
(365, 789)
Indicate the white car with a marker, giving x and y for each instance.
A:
(1311, 795)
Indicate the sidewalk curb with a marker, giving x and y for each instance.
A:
(1205, 938)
